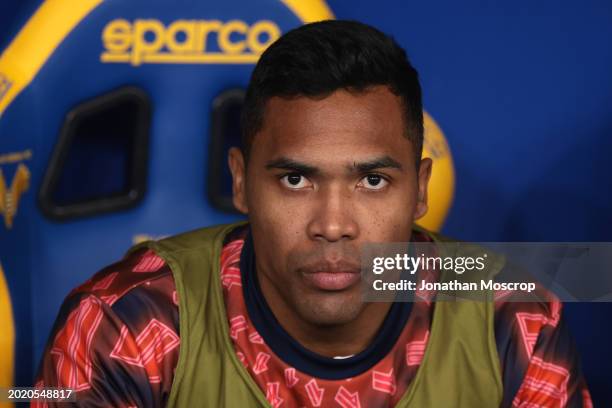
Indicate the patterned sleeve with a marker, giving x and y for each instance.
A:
(115, 341)
(539, 361)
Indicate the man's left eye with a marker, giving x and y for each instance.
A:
(373, 182)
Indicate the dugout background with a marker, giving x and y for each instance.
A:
(523, 93)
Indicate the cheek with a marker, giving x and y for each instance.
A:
(279, 221)
(269, 205)
(388, 219)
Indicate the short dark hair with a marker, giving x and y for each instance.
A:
(316, 59)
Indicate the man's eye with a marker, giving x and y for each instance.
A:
(373, 182)
(295, 181)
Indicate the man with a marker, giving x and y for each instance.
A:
(270, 312)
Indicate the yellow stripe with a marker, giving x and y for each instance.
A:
(169, 58)
(7, 339)
(35, 43)
(309, 11)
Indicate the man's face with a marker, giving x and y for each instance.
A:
(324, 177)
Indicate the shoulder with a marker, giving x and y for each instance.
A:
(144, 277)
(198, 239)
(134, 294)
(142, 271)
(519, 317)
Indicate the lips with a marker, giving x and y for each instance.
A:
(332, 277)
(332, 280)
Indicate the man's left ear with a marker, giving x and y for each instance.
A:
(423, 181)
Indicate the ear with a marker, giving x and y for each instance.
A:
(423, 182)
(236, 163)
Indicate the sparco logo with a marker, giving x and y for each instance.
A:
(186, 41)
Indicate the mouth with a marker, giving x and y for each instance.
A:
(332, 277)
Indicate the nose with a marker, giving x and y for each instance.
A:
(334, 217)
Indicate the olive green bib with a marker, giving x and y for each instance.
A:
(460, 367)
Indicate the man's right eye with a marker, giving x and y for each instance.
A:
(295, 181)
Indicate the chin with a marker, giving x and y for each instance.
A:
(331, 312)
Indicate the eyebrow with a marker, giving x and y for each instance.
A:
(383, 162)
(286, 163)
(289, 164)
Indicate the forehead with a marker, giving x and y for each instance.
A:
(351, 122)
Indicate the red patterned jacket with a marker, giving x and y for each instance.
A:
(116, 342)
